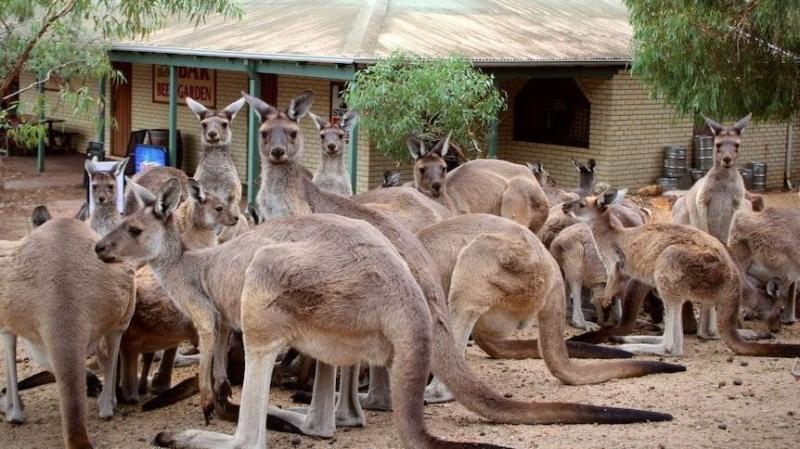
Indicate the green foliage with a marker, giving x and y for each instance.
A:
(404, 95)
(723, 58)
(67, 41)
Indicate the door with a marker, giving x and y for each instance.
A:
(121, 109)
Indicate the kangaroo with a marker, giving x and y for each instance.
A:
(216, 171)
(711, 202)
(480, 186)
(683, 264)
(331, 174)
(268, 283)
(555, 195)
(104, 190)
(762, 243)
(576, 253)
(157, 324)
(46, 298)
(285, 190)
(500, 277)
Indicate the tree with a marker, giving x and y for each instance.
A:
(404, 95)
(723, 58)
(67, 40)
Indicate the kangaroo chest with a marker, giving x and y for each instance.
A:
(723, 198)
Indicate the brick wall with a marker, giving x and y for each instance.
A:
(84, 125)
(627, 132)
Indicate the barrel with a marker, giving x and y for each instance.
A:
(747, 177)
(759, 183)
(668, 184)
(703, 152)
(674, 161)
(697, 174)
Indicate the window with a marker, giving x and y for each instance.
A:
(552, 111)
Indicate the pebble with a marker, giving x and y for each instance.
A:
(296, 441)
(508, 395)
(730, 360)
(723, 426)
(652, 387)
(744, 363)
(737, 381)
(721, 384)
(731, 397)
(790, 413)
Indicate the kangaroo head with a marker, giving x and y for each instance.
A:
(591, 208)
(727, 140)
(332, 136)
(40, 216)
(430, 168)
(104, 183)
(391, 178)
(585, 174)
(216, 125)
(763, 300)
(280, 136)
(542, 175)
(142, 235)
(210, 211)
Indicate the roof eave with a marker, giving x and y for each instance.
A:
(311, 59)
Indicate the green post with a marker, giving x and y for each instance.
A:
(253, 122)
(173, 116)
(41, 144)
(352, 148)
(493, 140)
(101, 113)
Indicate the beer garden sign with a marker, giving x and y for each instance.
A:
(200, 84)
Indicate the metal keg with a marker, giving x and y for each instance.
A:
(747, 177)
(759, 182)
(668, 184)
(703, 152)
(697, 174)
(674, 161)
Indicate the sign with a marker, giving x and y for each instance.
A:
(200, 84)
(338, 106)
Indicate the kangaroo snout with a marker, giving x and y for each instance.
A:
(212, 135)
(277, 152)
(726, 160)
(102, 249)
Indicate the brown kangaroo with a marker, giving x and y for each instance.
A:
(268, 282)
(500, 277)
(62, 300)
(331, 174)
(763, 244)
(152, 179)
(104, 190)
(157, 324)
(711, 202)
(682, 264)
(487, 186)
(284, 190)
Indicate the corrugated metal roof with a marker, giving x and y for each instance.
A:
(489, 32)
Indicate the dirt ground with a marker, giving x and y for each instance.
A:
(710, 410)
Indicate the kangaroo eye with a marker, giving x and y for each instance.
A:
(134, 232)
(205, 125)
(224, 125)
(293, 135)
(422, 170)
(218, 208)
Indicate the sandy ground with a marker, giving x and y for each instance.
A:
(709, 409)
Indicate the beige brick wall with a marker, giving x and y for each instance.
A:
(627, 132)
(84, 125)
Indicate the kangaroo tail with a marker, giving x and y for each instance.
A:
(498, 348)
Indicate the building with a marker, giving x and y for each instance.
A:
(565, 60)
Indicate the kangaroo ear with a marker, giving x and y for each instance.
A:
(300, 105)
(167, 199)
(199, 110)
(40, 216)
(89, 166)
(742, 123)
(83, 212)
(233, 108)
(119, 167)
(143, 196)
(715, 127)
(264, 110)
(611, 196)
(415, 146)
(536, 169)
(319, 122)
(443, 145)
(197, 191)
(252, 212)
(349, 120)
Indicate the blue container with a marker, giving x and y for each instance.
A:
(149, 156)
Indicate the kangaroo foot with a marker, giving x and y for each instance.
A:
(585, 325)
(14, 415)
(313, 424)
(194, 439)
(751, 335)
(649, 349)
(436, 393)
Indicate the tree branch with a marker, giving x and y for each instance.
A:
(43, 80)
(23, 57)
